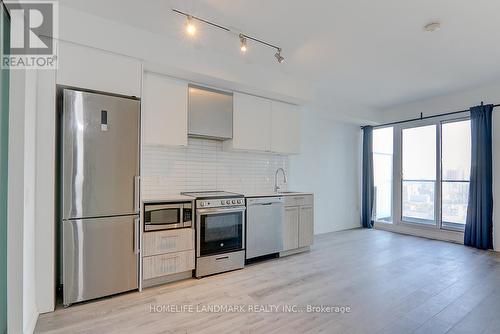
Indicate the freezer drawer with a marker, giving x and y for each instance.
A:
(99, 257)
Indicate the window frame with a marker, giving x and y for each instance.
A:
(398, 223)
(375, 220)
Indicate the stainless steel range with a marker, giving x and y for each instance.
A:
(220, 231)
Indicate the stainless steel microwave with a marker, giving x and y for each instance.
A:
(165, 216)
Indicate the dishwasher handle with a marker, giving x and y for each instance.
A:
(265, 201)
(265, 204)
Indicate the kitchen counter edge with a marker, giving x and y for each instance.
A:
(298, 193)
(172, 198)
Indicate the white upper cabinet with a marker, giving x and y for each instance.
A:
(251, 123)
(164, 110)
(99, 70)
(285, 132)
(264, 125)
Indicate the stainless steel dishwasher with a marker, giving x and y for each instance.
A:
(264, 226)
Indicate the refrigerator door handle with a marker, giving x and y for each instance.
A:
(136, 235)
(137, 188)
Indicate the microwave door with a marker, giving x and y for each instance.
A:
(163, 217)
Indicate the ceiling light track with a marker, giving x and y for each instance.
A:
(242, 37)
(189, 16)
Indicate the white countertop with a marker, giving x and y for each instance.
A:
(169, 198)
(271, 194)
(179, 198)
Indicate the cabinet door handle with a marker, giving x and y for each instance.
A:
(136, 235)
(137, 187)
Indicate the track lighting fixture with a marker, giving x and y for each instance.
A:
(191, 30)
(243, 41)
(279, 57)
(190, 27)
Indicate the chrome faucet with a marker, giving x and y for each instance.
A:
(276, 187)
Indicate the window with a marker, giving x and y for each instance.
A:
(419, 175)
(382, 172)
(430, 186)
(455, 167)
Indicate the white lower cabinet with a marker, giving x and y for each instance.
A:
(167, 264)
(168, 241)
(306, 226)
(298, 225)
(166, 253)
(291, 228)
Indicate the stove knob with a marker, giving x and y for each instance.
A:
(234, 201)
(222, 202)
(228, 202)
(202, 204)
(240, 201)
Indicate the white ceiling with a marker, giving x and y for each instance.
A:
(371, 53)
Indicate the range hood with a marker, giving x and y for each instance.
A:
(210, 113)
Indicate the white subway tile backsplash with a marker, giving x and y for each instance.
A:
(203, 165)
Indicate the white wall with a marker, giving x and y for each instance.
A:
(15, 204)
(45, 190)
(30, 312)
(459, 101)
(22, 309)
(329, 166)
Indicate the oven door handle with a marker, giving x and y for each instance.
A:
(218, 210)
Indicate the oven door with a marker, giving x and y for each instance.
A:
(163, 217)
(220, 230)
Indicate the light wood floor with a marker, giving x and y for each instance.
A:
(392, 283)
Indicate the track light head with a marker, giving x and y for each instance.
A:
(279, 57)
(190, 27)
(243, 42)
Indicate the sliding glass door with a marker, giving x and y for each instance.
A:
(4, 137)
(429, 162)
(419, 175)
(435, 172)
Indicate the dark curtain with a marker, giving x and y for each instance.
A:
(367, 186)
(479, 225)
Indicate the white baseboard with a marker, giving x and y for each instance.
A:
(436, 234)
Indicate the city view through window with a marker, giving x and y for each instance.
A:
(455, 164)
(419, 174)
(420, 183)
(382, 172)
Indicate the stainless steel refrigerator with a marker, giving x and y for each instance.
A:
(100, 195)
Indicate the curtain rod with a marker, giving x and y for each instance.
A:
(426, 117)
